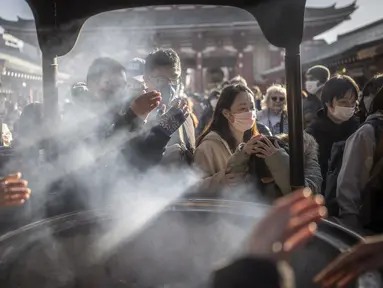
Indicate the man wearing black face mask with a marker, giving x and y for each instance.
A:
(163, 73)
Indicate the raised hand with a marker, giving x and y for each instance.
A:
(13, 190)
(250, 145)
(290, 223)
(364, 257)
(145, 103)
(263, 148)
(172, 119)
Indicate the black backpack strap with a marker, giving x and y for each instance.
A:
(281, 122)
(377, 124)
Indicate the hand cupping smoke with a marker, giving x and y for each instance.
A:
(171, 120)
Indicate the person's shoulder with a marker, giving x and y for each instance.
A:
(366, 129)
(210, 138)
(211, 142)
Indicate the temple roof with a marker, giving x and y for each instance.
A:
(371, 33)
(190, 17)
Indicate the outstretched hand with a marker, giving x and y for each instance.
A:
(291, 222)
(172, 119)
(145, 103)
(13, 190)
(364, 257)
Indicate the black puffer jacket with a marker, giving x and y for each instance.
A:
(326, 133)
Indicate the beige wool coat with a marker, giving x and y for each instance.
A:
(215, 159)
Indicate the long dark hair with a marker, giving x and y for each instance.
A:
(220, 124)
(336, 88)
(377, 102)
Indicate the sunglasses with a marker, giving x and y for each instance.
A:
(276, 98)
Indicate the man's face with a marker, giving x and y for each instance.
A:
(163, 79)
(109, 85)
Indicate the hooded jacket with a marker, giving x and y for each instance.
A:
(326, 133)
(358, 160)
(214, 157)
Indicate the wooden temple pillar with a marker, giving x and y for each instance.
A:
(248, 71)
(198, 46)
(244, 62)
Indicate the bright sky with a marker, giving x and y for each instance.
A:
(368, 11)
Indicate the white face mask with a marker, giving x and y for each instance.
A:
(213, 103)
(244, 121)
(367, 100)
(343, 113)
(312, 87)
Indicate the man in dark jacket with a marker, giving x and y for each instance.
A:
(108, 123)
(336, 121)
(117, 96)
(316, 77)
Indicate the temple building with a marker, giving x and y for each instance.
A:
(20, 70)
(204, 36)
(358, 53)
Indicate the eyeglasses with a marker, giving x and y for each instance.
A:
(278, 99)
(162, 81)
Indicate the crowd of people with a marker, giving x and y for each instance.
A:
(234, 138)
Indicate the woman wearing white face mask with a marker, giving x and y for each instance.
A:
(227, 142)
(367, 95)
(336, 121)
(316, 77)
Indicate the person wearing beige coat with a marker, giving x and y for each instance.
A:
(215, 159)
(225, 147)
